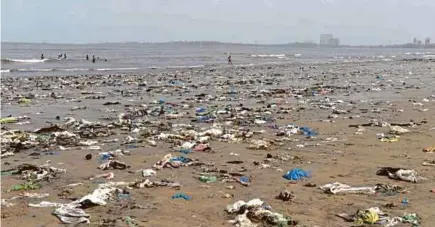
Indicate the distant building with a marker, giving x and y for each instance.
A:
(326, 39)
(427, 41)
(335, 42)
(414, 40)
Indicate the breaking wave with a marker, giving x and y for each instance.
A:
(268, 55)
(67, 70)
(28, 61)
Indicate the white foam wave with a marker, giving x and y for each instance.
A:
(5, 70)
(268, 55)
(185, 67)
(28, 60)
(33, 70)
(116, 69)
(74, 69)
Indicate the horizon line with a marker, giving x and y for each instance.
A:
(304, 43)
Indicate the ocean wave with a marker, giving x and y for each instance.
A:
(73, 69)
(5, 70)
(115, 69)
(268, 55)
(31, 70)
(28, 61)
(185, 67)
(68, 70)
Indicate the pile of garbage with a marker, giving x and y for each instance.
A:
(374, 215)
(255, 212)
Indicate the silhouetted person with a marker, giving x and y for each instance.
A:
(93, 59)
(42, 56)
(87, 57)
(64, 56)
(229, 60)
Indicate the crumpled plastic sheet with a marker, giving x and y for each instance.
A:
(339, 188)
(169, 161)
(296, 174)
(259, 144)
(65, 138)
(113, 164)
(37, 173)
(374, 215)
(5, 203)
(254, 211)
(397, 130)
(409, 175)
(73, 213)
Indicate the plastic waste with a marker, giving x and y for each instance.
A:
(339, 188)
(25, 186)
(207, 179)
(71, 214)
(286, 195)
(8, 120)
(110, 175)
(400, 174)
(258, 213)
(308, 131)
(113, 164)
(296, 174)
(397, 130)
(44, 204)
(181, 196)
(148, 173)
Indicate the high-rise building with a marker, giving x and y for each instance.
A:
(427, 41)
(326, 39)
(335, 42)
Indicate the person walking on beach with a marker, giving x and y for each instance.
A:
(64, 56)
(87, 57)
(42, 56)
(229, 60)
(93, 58)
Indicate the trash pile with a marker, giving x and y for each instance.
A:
(374, 215)
(256, 212)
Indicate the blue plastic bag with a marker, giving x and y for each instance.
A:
(297, 174)
(308, 131)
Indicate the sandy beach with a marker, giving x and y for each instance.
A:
(241, 128)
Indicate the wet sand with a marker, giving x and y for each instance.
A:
(393, 92)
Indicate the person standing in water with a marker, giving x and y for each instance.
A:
(64, 56)
(87, 57)
(93, 58)
(42, 56)
(229, 60)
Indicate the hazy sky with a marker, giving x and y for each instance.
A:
(264, 21)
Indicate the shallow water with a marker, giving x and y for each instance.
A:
(24, 59)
